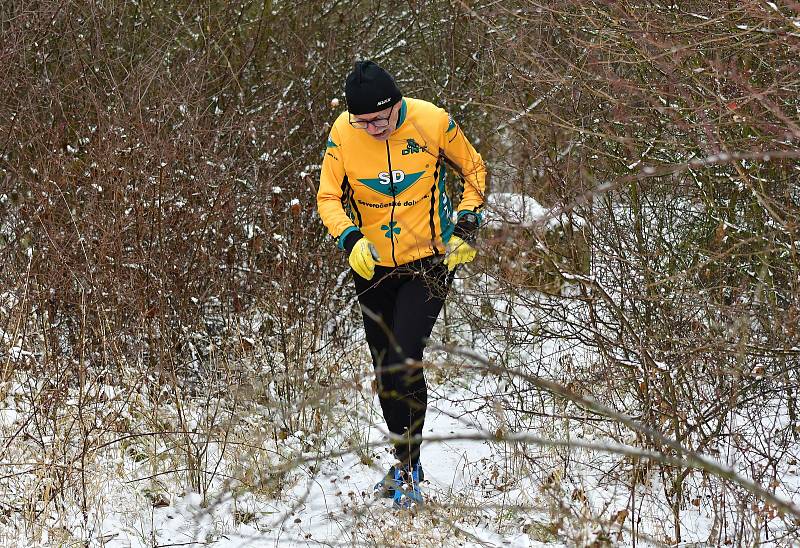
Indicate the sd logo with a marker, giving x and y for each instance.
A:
(398, 176)
(392, 184)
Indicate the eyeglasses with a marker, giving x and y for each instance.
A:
(377, 123)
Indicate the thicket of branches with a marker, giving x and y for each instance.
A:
(158, 169)
(665, 139)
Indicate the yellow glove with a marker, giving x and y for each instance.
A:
(458, 252)
(362, 258)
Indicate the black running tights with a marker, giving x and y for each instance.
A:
(404, 303)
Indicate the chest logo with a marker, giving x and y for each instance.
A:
(394, 184)
(412, 147)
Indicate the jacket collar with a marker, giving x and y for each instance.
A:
(402, 116)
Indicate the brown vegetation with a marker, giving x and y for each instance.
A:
(158, 166)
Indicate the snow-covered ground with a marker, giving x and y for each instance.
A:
(487, 492)
(334, 504)
(328, 500)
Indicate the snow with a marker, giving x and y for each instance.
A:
(514, 209)
(332, 506)
(509, 209)
(485, 485)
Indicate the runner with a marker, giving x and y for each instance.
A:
(382, 196)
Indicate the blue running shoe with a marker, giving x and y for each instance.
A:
(385, 487)
(406, 487)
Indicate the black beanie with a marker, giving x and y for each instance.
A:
(370, 89)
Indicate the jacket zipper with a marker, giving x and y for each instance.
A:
(394, 200)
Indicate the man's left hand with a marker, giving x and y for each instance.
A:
(458, 252)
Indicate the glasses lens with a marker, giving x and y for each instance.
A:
(377, 123)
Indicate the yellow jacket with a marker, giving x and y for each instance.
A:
(407, 215)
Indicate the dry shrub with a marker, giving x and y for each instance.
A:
(146, 243)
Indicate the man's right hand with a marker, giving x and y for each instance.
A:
(363, 257)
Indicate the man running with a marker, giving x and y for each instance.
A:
(382, 196)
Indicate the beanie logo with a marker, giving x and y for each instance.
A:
(384, 101)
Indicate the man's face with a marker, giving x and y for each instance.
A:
(376, 119)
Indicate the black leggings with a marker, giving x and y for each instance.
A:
(405, 302)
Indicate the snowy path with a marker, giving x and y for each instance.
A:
(336, 507)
